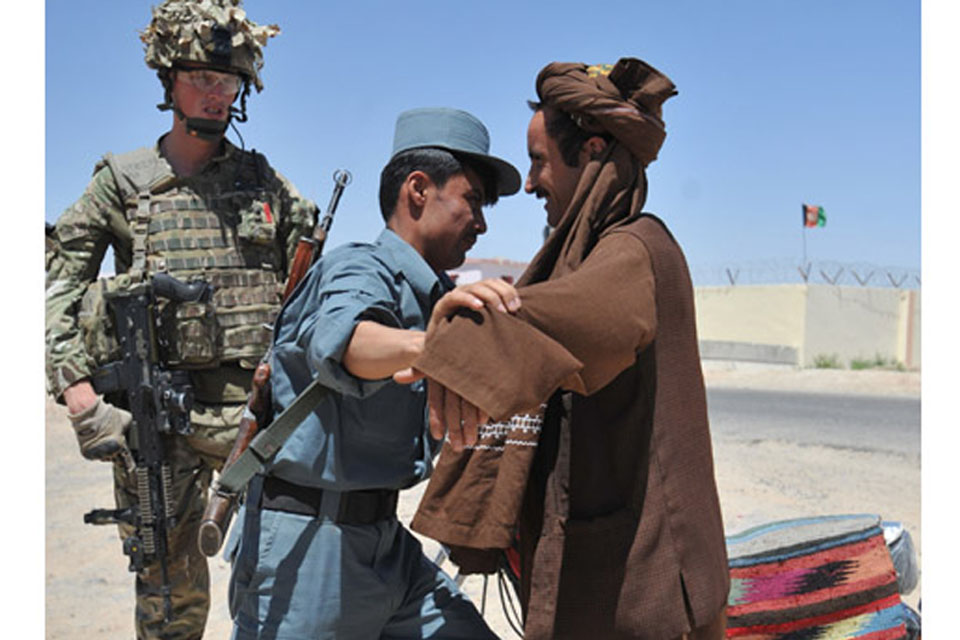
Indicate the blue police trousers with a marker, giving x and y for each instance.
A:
(300, 577)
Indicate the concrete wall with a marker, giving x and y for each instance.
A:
(794, 324)
(854, 323)
(768, 314)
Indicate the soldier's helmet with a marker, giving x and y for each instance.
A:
(213, 33)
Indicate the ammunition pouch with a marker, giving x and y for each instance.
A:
(188, 335)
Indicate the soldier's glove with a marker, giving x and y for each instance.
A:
(100, 430)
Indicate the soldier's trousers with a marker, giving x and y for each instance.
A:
(192, 460)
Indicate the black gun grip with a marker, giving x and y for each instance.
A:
(166, 286)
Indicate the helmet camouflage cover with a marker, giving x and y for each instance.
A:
(214, 33)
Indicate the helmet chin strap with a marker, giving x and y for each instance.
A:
(204, 128)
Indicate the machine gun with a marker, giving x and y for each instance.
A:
(223, 502)
(160, 401)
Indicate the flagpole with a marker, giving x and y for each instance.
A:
(803, 231)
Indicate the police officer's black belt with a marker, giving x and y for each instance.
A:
(355, 507)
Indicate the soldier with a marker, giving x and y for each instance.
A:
(197, 207)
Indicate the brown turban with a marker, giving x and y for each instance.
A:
(624, 100)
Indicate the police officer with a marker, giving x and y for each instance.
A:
(318, 551)
(197, 207)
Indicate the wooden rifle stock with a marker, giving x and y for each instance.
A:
(303, 259)
(220, 508)
(309, 249)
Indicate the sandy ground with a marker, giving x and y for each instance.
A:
(89, 590)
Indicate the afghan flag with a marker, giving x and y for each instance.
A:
(813, 216)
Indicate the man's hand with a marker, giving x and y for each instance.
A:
(450, 414)
(100, 432)
(453, 416)
(494, 293)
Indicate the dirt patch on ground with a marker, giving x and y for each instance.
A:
(89, 592)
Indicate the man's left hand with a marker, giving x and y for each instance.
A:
(494, 293)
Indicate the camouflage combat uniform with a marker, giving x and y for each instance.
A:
(235, 224)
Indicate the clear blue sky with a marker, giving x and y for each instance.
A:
(779, 103)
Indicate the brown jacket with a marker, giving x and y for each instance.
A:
(620, 530)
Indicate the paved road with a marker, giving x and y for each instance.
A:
(856, 422)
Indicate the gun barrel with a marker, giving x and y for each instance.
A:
(341, 178)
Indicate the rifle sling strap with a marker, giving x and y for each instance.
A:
(266, 443)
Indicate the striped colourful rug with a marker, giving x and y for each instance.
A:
(825, 578)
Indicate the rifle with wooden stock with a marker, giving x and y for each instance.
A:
(223, 501)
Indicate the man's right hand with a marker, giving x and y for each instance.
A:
(100, 430)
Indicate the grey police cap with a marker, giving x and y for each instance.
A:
(456, 131)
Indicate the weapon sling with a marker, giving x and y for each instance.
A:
(269, 440)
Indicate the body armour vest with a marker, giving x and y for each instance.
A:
(220, 230)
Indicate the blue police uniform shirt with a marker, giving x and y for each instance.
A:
(368, 434)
